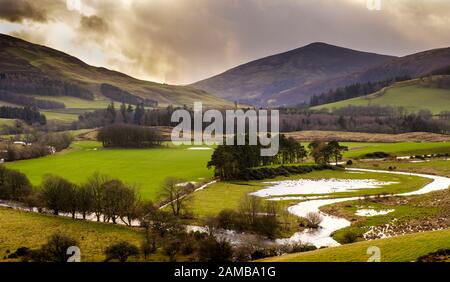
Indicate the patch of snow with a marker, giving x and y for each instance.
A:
(200, 148)
(372, 212)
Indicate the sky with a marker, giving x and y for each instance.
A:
(183, 41)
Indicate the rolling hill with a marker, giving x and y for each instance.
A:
(413, 95)
(302, 70)
(293, 77)
(47, 74)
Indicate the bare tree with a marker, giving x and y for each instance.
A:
(314, 219)
(175, 193)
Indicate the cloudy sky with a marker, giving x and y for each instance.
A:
(182, 41)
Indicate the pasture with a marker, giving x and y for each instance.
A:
(32, 230)
(145, 168)
(405, 248)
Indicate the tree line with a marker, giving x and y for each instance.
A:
(30, 101)
(234, 161)
(30, 115)
(353, 91)
(128, 136)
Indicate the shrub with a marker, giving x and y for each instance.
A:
(213, 250)
(349, 237)
(55, 250)
(121, 251)
(314, 219)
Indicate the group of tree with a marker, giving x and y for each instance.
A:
(117, 94)
(353, 90)
(29, 101)
(370, 119)
(325, 153)
(128, 136)
(42, 85)
(229, 160)
(126, 113)
(28, 114)
(253, 215)
(237, 161)
(35, 145)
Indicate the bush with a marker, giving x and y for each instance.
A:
(349, 237)
(349, 162)
(55, 250)
(314, 219)
(213, 250)
(121, 251)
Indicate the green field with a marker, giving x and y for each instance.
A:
(359, 149)
(412, 97)
(147, 168)
(399, 249)
(435, 166)
(22, 229)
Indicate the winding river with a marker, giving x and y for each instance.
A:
(322, 236)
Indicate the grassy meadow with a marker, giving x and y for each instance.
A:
(405, 248)
(32, 230)
(411, 97)
(145, 168)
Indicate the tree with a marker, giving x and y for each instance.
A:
(14, 185)
(94, 186)
(118, 200)
(121, 251)
(318, 152)
(58, 194)
(85, 200)
(335, 150)
(175, 193)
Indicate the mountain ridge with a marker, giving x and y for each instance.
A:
(27, 67)
(314, 69)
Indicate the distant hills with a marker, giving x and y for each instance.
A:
(43, 73)
(294, 77)
(429, 93)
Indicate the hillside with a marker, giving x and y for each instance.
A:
(50, 75)
(293, 77)
(305, 71)
(413, 95)
(398, 249)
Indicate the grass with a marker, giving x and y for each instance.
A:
(60, 116)
(22, 229)
(411, 97)
(399, 249)
(359, 149)
(435, 166)
(146, 168)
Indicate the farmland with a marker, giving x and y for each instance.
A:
(145, 168)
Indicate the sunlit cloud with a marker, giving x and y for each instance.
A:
(182, 41)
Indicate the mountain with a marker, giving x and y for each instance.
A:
(38, 71)
(429, 93)
(291, 77)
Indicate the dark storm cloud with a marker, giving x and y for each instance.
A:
(93, 24)
(20, 10)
